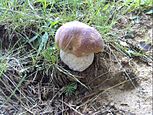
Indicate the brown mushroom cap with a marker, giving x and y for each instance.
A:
(79, 39)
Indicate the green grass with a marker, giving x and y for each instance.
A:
(3, 66)
(70, 89)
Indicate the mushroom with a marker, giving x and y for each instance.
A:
(77, 43)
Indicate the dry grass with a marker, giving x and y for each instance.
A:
(33, 92)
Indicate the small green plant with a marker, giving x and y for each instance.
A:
(49, 55)
(70, 89)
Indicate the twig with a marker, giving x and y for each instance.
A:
(71, 108)
(70, 75)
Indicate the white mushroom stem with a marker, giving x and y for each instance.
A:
(76, 63)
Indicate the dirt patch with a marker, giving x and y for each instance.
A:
(120, 85)
(116, 83)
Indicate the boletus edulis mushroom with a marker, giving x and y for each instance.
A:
(77, 43)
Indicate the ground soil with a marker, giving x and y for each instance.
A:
(116, 84)
(109, 95)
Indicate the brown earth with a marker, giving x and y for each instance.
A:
(115, 84)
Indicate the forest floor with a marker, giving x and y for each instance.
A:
(34, 81)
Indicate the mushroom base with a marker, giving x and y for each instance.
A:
(76, 63)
